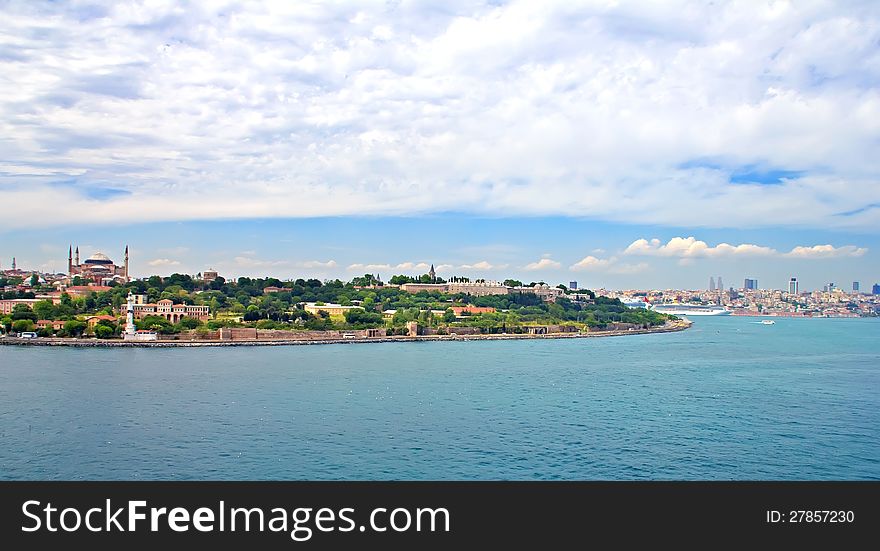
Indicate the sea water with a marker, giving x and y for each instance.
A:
(727, 399)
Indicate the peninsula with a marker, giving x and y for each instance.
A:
(206, 309)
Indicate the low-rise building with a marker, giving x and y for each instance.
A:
(7, 305)
(546, 292)
(92, 321)
(333, 309)
(172, 312)
(471, 310)
(85, 290)
(429, 287)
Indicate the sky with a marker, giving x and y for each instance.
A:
(621, 145)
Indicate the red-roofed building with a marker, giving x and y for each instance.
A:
(84, 290)
(93, 320)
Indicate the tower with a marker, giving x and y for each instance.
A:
(432, 274)
(129, 315)
(793, 286)
(70, 260)
(76, 260)
(711, 284)
(126, 264)
(13, 263)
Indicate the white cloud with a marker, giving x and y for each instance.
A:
(826, 251)
(209, 111)
(690, 247)
(163, 262)
(591, 263)
(686, 249)
(543, 264)
(607, 265)
(484, 265)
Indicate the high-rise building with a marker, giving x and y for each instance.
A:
(750, 284)
(711, 284)
(876, 289)
(855, 286)
(573, 285)
(793, 286)
(828, 287)
(720, 284)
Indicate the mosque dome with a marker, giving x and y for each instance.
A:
(98, 258)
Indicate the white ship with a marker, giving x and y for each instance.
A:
(691, 310)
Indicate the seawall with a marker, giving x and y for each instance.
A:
(96, 343)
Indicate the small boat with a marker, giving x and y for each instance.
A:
(768, 322)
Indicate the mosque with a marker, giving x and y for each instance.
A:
(97, 268)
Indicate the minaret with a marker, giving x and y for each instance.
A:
(70, 261)
(126, 263)
(76, 261)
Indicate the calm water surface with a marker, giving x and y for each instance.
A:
(727, 399)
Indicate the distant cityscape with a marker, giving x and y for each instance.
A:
(100, 273)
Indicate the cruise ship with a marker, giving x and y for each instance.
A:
(691, 310)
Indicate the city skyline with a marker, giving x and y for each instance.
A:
(676, 263)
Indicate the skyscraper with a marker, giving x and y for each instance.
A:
(573, 285)
(793, 286)
(711, 284)
(720, 284)
(750, 284)
(876, 289)
(855, 286)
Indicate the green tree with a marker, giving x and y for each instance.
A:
(267, 324)
(156, 323)
(103, 331)
(75, 328)
(361, 319)
(23, 312)
(189, 323)
(44, 310)
(35, 280)
(22, 325)
(449, 315)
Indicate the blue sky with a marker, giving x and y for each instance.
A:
(617, 145)
(530, 249)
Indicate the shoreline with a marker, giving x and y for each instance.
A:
(670, 327)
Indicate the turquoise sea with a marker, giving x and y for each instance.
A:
(728, 399)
